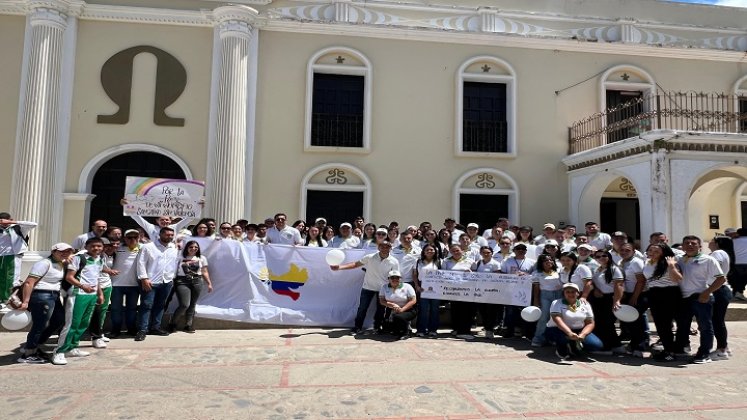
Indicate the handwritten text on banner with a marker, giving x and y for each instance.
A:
(505, 289)
(163, 197)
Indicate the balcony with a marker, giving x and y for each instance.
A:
(337, 130)
(671, 111)
(485, 136)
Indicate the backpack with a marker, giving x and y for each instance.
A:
(66, 285)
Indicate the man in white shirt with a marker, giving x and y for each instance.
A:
(738, 279)
(450, 225)
(478, 241)
(701, 276)
(98, 229)
(346, 239)
(618, 240)
(282, 233)
(156, 269)
(548, 232)
(125, 288)
(407, 253)
(600, 240)
(13, 245)
(378, 266)
(161, 222)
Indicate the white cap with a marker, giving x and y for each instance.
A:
(62, 246)
(346, 224)
(586, 246)
(573, 286)
(552, 242)
(473, 225)
(548, 225)
(320, 219)
(394, 273)
(382, 230)
(132, 232)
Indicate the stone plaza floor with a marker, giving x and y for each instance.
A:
(325, 373)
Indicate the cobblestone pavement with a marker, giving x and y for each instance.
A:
(325, 373)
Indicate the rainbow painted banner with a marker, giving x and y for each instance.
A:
(163, 197)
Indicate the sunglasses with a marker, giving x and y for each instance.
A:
(600, 256)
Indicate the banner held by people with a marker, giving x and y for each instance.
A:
(163, 197)
(505, 289)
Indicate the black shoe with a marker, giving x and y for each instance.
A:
(171, 328)
(158, 332)
(114, 334)
(140, 336)
(132, 333)
(189, 329)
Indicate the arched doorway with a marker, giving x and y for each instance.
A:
(619, 209)
(717, 201)
(484, 195)
(109, 181)
(336, 191)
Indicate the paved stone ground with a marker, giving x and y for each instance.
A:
(319, 373)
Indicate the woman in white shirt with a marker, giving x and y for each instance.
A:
(573, 272)
(722, 249)
(314, 238)
(664, 295)
(571, 324)
(41, 296)
(398, 299)
(428, 318)
(634, 295)
(608, 290)
(192, 271)
(546, 287)
(462, 313)
(488, 311)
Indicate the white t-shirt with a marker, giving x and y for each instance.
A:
(629, 269)
(697, 273)
(600, 282)
(423, 267)
(723, 259)
(104, 279)
(547, 281)
(314, 243)
(124, 263)
(581, 276)
(651, 282)
(192, 264)
(90, 273)
(406, 260)
(377, 270)
(465, 264)
(288, 236)
(491, 266)
(601, 241)
(400, 296)
(740, 250)
(574, 317)
(49, 273)
(351, 242)
(513, 266)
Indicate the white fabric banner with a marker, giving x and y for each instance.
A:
(465, 286)
(278, 284)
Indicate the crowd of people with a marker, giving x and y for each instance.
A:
(579, 280)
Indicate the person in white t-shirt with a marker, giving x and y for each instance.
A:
(489, 312)
(608, 290)
(573, 272)
(346, 239)
(738, 279)
(314, 238)
(398, 299)
(571, 324)
(546, 287)
(41, 296)
(378, 265)
(722, 249)
(281, 233)
(597, 239)
(191, 277)
(462, 313)
(633, 295)
(428, 318)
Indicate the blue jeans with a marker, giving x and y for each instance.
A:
(47, 316)
(152, 305)
(365, 301)
(546, 299)
(721, 299)
(118, 305)
(703, 313)
(591, 342)
(428, 319)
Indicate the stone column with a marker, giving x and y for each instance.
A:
(661, 209)
(34, 194)
(229, 170)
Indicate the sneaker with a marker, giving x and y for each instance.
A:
(354, 331)
(433, 334)
(620, 350)
(682, 352)
(563, 358)
(719, 355)
(171, 328)
(602, 352)
(78, 353)
(665, 357)
(576, 348)
(489, 335)
(158, 332)
(31, 359)
(740, 296)
(536, 343)
(638, 353)
(466, 336)
(189, 329)
(4, 309)
(98, 343)
(403, 337)
(113, 335)
(421, 334)
(105, 338)
(59, 359)
(700, 360)
(140, 336)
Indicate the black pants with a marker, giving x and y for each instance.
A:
(637, 328)
(489, 314)
(665, 303)
(462, 315)
(738, 278)
(604, 320)
(187, 291)
(399, 323)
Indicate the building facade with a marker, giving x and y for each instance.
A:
(626, 112)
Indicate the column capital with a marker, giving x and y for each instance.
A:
(53, 12)
(235, 20)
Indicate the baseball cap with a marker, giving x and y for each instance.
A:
(551, 242)
(548, 226)
(62, 246)
(394, 273)
(586, 246)
(520, 246)
(131, 232)
(449, 219)
(346, 224)
(382, 230)
(573, 286)
(106, 241)
(730, 230)
(473, 225)
(619, 234)
(320, 219)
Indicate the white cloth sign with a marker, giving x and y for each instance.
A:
(464, 286)
(163, 197)
(278, 284)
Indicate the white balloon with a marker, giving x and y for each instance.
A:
(335, 257)
(16, 320)
(531, 314)
(626, 313)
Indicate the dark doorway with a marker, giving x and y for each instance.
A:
(620, 214)
(109, 183)
(335, 206)
(744, 213)
(483, 209)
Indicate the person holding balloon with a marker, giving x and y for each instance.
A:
(41, 296)
(571, 324)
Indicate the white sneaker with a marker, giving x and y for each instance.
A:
(78, 353)
(4, 309)
(720, 355)
(59, 359)
(466, 336)
(105, 338)
(98, 343)
(740, 296)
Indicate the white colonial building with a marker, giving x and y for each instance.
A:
(627, 112)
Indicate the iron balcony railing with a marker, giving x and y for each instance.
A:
(337, 130)
(685, 111)
(484, 136)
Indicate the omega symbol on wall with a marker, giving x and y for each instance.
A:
(116, 79)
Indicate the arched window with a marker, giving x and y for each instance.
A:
(623, 91)
(486, 108)
(338, 101)
(336, 191)
(740, 92)
(483, 195)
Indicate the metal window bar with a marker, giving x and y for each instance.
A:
(337, 130)
(484, 136)
(684, 111)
